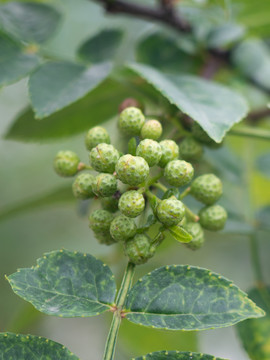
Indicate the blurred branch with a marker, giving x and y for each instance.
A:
(258, 114)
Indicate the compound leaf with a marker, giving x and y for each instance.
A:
(181, 297)
(28, 347)
(56, 85)
(66, 284)
(176, 355)
(215, 107)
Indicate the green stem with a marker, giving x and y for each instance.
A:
(185, 193)
(117, 316)
(190, 215)
(160, 186)
(249, 131)
(254, 247)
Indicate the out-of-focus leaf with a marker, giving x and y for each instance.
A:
(29, 347)
(263, 164)
(56, 85)
(177, 355)
(101, 47)
(15, 62)
(262, 217)
(56, 196)
(252, 58)
(225, 35)
(29, 22)
(215, 107)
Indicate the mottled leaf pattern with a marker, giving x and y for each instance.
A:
(180, 297)
(66, 284)
(215, 107)
(28, 347)
(176, 355)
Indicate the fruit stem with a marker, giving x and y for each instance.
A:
(184, 193)
(160, 186)
(117, 316)
(83, 166)
(190, 214)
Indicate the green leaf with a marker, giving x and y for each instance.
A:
(252, 58)
(171, 192)
(66, 284)
(29, 347)
(101, 47)
(254, 333)
(29, 22)
(62, 194)
(56, 85)
(15, 62)
(262, 217)
(215, 107)
(263, 164)
(176, 355)
(224, 35)
(181, 297)
(180, 234)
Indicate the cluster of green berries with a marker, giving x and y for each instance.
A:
(126, 185)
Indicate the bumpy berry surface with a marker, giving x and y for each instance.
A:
(207, 188)
(170, 211)
(150, 150)
(131, 203)
(190, 149)
(131, 121)
(152, 129)
(132, 170)
(170, 151)
(105, 185)
(110, 203)
(213, 217)
(82, 186)
(66, 163)
(196, 231)
(178, 172)
(103, 158)
(95, 136)
(138, 249)
(122, 228)
(100, 220)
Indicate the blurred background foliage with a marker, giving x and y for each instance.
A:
(38, 212)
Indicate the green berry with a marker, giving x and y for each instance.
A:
(139, 249)
(122, 228)
(196, 231)
(100, 220)
(132, 170)
(190, 149)
(103, 158)
(95, 136)
(178, 172)
(170, 211)
(152, 129)
(82, 186)
(110, 203)
(105, 185)
(131, 121)
(66, 163)
(213, 217)
(207, 188)
(150, 150)
(170, 151)
(131, 203)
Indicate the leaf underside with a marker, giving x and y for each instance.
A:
(176, 355)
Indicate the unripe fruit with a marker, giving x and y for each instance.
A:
(110, 203)
(131, 203)
(207, 188)
(95, 136)
(190, 149)
(132, 170)
(104, 237)
(122, 228)
(170, 211)
(170, 151)
(152, 129)
(105, 185)
(103, 158)
(82, 186)
(213, 217)
(100, 220)
(131, 121)
(138, 249)
(178, 172)
(196, 231)
(66, 163)
(150, 150)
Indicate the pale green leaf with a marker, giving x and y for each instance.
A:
(176, 355)
(66, 284)
(56, 85)
(215, 107)
(180, 234)
(180, 297)
(225, 35)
